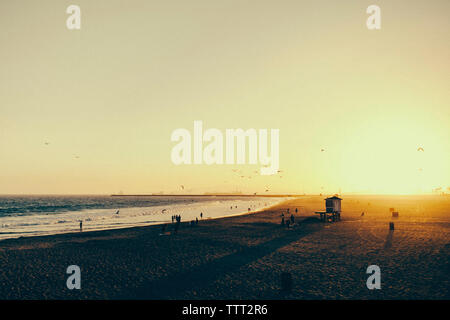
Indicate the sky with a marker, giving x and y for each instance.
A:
(91, 111)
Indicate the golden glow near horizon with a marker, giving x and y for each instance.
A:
(92, 110)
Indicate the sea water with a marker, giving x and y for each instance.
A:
(43, 215)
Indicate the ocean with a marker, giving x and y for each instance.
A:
(22, 216)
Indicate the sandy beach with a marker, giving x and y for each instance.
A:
(243, 257)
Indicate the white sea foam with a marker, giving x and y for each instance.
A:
(102, 219)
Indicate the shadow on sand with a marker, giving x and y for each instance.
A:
(173, 286)
(389, 238)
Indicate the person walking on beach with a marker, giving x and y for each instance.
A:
(296, 210)
(201, 215)
(282, 220)
(177, 225)
(81, 225)
(292, 219)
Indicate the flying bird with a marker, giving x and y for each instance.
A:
(117, 212)
(322, 150)
(420, 149)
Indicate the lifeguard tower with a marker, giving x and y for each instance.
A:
(332, 210)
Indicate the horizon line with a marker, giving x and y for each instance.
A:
(223, 194)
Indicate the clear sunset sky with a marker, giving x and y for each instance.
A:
(91, 111)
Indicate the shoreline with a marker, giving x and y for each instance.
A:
(131, 228)
(131, 217)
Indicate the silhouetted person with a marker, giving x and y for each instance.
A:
(296, 210)
(282, 221)
(201, 215)
(292, 219)
(288, 224)
(196, 220)
(81, 226)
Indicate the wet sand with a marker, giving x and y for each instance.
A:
(242, 257)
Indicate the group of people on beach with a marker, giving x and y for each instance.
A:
(289, 221)
(176, 218)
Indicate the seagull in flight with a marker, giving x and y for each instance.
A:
(420, 149)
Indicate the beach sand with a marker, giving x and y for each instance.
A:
(243, 257)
